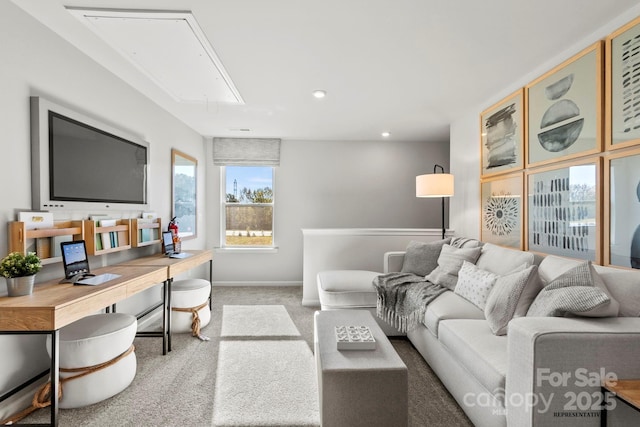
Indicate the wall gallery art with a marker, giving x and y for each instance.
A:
(502, 135)
(623, 86)
(502, 211)
(563, 211)
(623, 210)
(564, 115)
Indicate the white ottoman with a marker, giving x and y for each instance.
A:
(190, 305)
(351, 289)
(85, 346)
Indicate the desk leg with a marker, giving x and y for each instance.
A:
(55, 376)
(169, 283)
(603, 410)
(211, 282)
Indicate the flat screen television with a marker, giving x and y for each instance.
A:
(79, 163)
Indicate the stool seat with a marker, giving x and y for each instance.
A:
(91, 341)
(189, 294)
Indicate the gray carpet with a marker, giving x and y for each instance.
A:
(178, 389)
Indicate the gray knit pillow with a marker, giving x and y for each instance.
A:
(421, 258)
(574, 292)
(449, 263)
(511, 297)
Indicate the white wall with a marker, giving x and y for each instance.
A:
(36, 62)
(465, 133)
(332, 184)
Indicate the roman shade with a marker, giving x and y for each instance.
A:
(246, 151)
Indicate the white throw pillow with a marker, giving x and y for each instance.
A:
(449, 263)
(475, 284)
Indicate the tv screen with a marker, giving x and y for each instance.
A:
(80, 163)
(91, 165)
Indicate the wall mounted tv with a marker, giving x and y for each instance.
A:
(79, 163)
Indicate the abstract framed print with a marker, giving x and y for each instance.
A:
(564, 110)
(622, 210)
(622, 127)
(502, 136)
(563, 210)
(502, 206)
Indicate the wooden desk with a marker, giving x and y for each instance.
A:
(627, 391)
(54, 305)
(175, 266)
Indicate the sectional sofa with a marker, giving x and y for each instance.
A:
(519, 339)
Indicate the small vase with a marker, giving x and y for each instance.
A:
(19, 286)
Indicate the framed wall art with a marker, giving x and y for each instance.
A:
(184, 193)
(563, 210)
(623, 87)
(502, 135)
(564, 114)
(622, 209)
(502, 206)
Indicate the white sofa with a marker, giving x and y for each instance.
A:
(546, 370)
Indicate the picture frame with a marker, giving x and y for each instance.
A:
(622, 209)
(502, 136)
(563, 210)
(622, 115)
(184, 179)
(502, 208)
(564, 110)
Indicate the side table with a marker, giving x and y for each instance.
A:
(627, 391)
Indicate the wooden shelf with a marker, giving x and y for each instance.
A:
(141, 227)
(119, 237)
(47, 240)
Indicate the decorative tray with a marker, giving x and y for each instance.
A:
(354, 338)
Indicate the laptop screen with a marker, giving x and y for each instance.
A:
(74, 258)
(167, 241)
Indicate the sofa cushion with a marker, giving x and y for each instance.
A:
(511, 297)
(449, 263)
(421, 258)
(553, 266)
(578, 291)
(623, 286)
(347, 289)
(499, 260)
(449, 306)
(483, 354)
(474, 284)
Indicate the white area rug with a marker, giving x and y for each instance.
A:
(257, 321)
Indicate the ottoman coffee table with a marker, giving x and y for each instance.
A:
(358, 387)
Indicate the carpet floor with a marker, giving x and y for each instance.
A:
(179, 389)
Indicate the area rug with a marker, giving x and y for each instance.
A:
(257, 321)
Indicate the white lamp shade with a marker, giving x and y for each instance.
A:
(434, 185)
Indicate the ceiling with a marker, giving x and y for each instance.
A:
(408, 67)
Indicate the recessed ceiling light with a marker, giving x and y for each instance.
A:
(319, 93)
(386, 134)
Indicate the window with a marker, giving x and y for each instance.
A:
(247, 206)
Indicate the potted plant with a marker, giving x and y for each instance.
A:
(20, 271)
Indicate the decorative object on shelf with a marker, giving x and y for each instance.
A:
(354, 338)
(563, 210)
(563, 109)
(623, 68)
(502, 135)
(502, 210)
(435, 185)
(20, 271)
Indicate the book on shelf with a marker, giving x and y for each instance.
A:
(107, 237)
(146, 234)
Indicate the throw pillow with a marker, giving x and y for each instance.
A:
(574, 292)
(449, 263)
(474, 284)
(511, 297)
(421, 258)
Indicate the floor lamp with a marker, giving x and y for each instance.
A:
(435, 185)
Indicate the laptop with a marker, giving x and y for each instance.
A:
(169, 248)
(76, 265)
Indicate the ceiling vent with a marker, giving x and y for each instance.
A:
(169, 47)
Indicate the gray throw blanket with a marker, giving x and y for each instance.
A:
(403, 298)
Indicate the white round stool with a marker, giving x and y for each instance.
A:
(190, 305)
(99, 351)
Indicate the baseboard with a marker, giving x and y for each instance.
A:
(256, 283)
